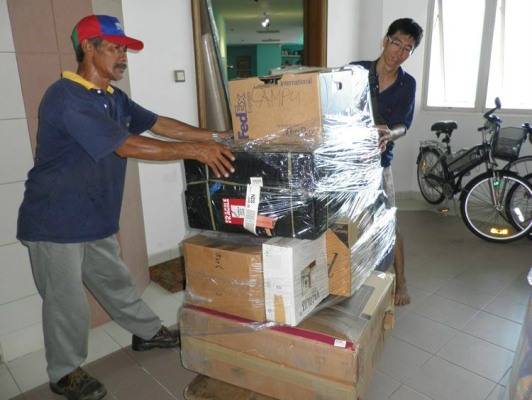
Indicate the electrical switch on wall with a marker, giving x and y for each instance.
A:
(179, 75)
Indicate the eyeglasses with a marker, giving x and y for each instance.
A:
(398, 45)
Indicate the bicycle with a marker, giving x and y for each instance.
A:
(495, 205)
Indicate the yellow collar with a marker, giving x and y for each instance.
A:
(78, 79)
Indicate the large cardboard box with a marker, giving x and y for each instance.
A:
(224, 273)
(295, 278)
(289, 108)
(331, 355)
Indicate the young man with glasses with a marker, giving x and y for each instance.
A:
(393, 98)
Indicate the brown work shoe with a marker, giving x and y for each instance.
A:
(164, 339)
(78, 385)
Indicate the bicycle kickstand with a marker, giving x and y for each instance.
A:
(445, 209)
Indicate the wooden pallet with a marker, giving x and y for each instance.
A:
(205, 388)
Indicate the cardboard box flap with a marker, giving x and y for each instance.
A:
(347, 318)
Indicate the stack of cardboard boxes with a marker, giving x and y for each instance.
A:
(284, 293)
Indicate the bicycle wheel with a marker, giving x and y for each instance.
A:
(491, 205)
(522, 166)
(523, 203)
(429, 169)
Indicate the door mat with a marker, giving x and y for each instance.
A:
(169, 274)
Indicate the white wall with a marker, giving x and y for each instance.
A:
(20, 305)
(342, 32)
(165, 27)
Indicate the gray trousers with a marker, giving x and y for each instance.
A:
(59, 271)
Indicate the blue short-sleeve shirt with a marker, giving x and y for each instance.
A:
(396, 104)
(74, 191)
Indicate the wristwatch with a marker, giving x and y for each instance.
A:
(215, 136)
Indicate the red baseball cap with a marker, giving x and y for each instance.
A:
(106, 27)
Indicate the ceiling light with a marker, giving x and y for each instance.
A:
(266, 22)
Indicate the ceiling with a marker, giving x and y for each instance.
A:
(243, 20)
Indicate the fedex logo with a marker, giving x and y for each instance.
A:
(242, 115)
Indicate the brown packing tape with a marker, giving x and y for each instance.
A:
(389, 318)
(280, 315)
(338, 264)
(388, 321)
(266, 222)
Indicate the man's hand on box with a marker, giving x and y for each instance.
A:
(384, 136)
(217, 156)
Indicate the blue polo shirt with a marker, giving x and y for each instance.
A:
(74, 191)
(396, 105)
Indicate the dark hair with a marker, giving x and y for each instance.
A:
(408, 27)
(80, 55)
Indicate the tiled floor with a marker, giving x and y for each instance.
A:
(455, 341)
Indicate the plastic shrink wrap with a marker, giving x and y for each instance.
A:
(287, 289)
(311, 170)
(325, 183)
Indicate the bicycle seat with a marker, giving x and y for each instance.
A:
(444, 126)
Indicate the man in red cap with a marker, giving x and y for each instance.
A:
(70, 212)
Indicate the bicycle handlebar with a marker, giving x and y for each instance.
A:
(497, 106)
(526, 126)
(491, 118)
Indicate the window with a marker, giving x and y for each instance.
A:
(511, 55)
(478, 51)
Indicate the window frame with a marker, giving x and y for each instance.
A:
(483, 68)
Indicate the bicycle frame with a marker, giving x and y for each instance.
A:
(446, 159)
